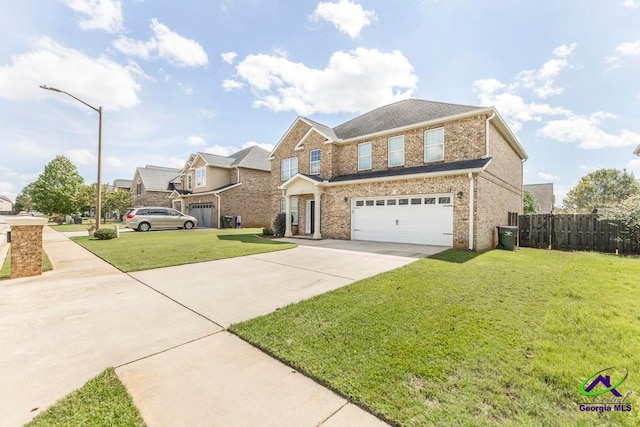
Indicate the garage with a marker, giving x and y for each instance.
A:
(203, 212)
(422, 219)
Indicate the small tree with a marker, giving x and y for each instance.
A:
(23, 200)
(117, 200)
(56, 189)
(603, 188)
(279, 224)
(628, 213)
(531, 205)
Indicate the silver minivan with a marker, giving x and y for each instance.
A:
(147, 218)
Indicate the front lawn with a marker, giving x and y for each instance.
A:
(5, 272)
(141, 251)
(85, 223)
(471, 339)
(103, 401)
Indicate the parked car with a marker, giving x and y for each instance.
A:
(147, 218)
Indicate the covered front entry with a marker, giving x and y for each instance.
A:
(301, 185)
(203, 212)
(425, 219)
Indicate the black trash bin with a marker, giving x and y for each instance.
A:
(507, 236)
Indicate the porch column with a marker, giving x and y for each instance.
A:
(316, 216)
(287, 212)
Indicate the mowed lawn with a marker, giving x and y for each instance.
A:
(497, 338)
(137, 251)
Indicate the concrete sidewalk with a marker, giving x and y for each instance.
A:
(61, 329)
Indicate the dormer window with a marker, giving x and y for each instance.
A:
(314, 162)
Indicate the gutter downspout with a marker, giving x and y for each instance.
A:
(218, 220)
(486, 135)
(471, 194)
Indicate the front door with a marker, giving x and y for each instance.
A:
(311, 216)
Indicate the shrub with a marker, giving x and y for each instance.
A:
(279, 224)
(267, 231)
(105, 234)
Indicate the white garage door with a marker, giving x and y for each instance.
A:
(425, 219)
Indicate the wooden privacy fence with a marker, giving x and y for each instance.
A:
(580, 232)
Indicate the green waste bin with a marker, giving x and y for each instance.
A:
(226, 221)
(507, 237)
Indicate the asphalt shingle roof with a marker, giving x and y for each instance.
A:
(158, 178)
(399, 114)
(252, 157)
(440, 167)
(5, 198)
(122, 183)
(544, 195)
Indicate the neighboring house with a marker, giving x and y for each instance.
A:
(6, 205)
(637, 152)
(544, 195)
(212, 186)
(414, 171)
(122, 184)
(152, 185)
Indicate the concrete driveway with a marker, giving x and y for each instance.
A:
(164, 331)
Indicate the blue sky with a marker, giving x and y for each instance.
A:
(180, 77)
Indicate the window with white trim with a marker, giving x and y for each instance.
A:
(294, 209)
(314, 162)
(434, 145)
(189, 182)
(288, 168)
(138, 186)
(396, 150)
(364, 156)
(201, 177)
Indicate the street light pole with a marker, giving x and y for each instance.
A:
(99, 111)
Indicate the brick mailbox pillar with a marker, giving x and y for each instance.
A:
(26, 246)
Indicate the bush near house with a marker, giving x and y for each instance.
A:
(104, 234)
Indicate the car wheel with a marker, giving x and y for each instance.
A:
(188, 225)
(144, 226)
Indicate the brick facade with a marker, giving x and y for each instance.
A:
(497, 190)
(26, 250)
(152, 198)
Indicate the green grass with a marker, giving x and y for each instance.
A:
(5, 272)
(137, 251)
(83, 227)
(103, 401)
(499, 338)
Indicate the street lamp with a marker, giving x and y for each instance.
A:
(99, 111)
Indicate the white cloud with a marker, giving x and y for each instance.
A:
(167, 44)
(229, 85)
(542, 81)
(632, 4)
(196, 141)
(587, 133)
(348, 17)
(175, 162)
(625, 49)
(114, 162)
(264, 145)
(100, 14)
(548, 176)
(98, 81)
(80, 156)
(6, 186)
(228, 57)
(591, 168)
(186, 88)
(354, 81)
(209, 114)
(221, 150)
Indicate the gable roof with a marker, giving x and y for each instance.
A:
(402, 115)
(158, 178)
(252, 157)
(5, 198)
(399, 114)
(122, 183)
(544, 195)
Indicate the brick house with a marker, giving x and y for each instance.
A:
(544, 195)
(211, 186)
(414, 171)
(152, 185)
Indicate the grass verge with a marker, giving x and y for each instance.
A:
(137, 251)
(497, 338)
(103, 401)
(5, 272)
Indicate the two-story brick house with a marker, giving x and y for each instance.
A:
(212, 186)
(152, 185)
(414, 171)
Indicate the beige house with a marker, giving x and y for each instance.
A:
(637, 152)
(152, 185)
(414, 171)
(211, 186)
(6, 205)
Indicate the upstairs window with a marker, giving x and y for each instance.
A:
(434, 145)
(189, 182)
(396, 151)
(314, 162)
(138, 186)
(364, 156)
(288, 168)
